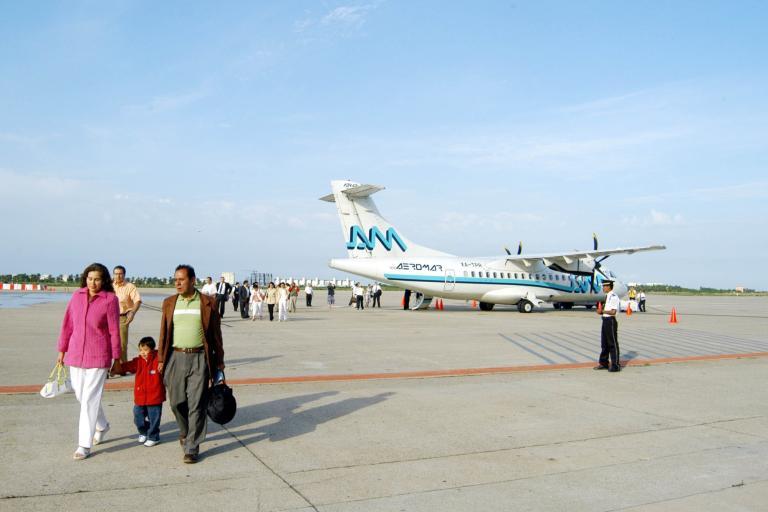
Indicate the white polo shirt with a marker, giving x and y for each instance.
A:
(611, 302)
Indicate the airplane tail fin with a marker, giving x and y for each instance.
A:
(367, 233)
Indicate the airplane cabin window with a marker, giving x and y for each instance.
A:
(494, 275)
(465, 273)
(473, 273)
(515, 275)
(487, 274)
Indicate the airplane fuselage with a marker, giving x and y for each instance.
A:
(479, 278)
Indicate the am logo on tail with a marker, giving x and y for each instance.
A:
(379, 251)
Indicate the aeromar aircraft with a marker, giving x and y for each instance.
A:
(379, 251)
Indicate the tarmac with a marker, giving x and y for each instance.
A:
(389, 410)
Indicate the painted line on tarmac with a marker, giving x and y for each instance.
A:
(426, 374)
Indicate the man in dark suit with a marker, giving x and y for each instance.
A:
(223, 289)
(190, 351)
(236, 296)
(245, 299)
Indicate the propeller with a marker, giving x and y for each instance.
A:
(596, 266)
(519, 249)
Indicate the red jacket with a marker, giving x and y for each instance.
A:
(149, 388)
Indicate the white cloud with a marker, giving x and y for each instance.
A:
(754, 190)
(499, 221)
(344, 17)
(165, 103)
(655, 218)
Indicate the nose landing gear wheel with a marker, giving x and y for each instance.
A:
(485, 306)
(525, 306)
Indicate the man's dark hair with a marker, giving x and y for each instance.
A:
(147, 341)
(119, 267)
(189, 269)
(106, 279)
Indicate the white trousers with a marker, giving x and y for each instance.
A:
(282, 310)
(89, 386)
(258, 309)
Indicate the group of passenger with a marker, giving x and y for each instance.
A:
(281, 298)
(366, 295)
(187, 360)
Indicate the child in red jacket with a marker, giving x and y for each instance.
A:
(148, 392)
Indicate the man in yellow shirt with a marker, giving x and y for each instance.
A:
(130, 302)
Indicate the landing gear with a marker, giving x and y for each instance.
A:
(525, 306)
(567, 305)
(486, 306)
(588, 306)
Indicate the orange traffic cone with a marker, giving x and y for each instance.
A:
(402, 302)
(673, 317)
(629, 309)
(440, 304)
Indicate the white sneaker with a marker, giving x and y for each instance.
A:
(81, 453)
(150, 443)
(142, 439)
(98, 437)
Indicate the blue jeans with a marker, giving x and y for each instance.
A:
(147, 420)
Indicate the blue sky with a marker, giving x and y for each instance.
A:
(153, 133)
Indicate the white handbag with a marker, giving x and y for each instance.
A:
(58, 382)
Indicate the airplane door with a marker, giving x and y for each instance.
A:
(450, 280)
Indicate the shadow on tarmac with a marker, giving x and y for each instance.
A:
(290, 424)
(244, 361)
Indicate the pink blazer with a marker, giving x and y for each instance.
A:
(90, 332)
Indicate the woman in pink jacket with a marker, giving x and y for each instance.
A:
(90, 344)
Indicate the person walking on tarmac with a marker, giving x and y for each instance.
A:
(609, 335)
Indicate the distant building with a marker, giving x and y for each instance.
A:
(740, 289)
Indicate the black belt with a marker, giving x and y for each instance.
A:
(188, 350)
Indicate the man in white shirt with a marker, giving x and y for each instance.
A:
(641, 301)
(308, 292)
(609, 334)
(358, 292)
(209, 288)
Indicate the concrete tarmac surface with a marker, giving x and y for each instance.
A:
(544, 433)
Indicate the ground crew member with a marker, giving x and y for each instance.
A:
(609, 334)
(641, 303)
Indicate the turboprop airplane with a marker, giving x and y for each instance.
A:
(379, 251)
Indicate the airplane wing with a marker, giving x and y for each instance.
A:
(564, 259)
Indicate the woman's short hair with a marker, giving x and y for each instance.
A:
(106, 279)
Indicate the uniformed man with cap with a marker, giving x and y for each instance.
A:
(609, 335)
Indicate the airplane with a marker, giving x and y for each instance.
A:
(379, 251)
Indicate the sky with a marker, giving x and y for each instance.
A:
(150, 134)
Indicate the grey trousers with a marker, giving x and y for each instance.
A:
(186, 381)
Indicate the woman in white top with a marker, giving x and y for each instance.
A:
(282, 303)
(257, 302)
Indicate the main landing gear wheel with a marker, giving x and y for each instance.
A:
(525, 306)
(486, 306)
